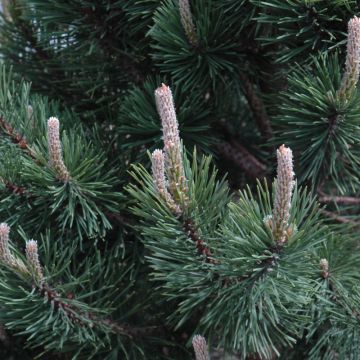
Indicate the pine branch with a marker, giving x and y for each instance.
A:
(73, 313)
(135, 331)
(247, 242)
(77, 316)
(242, 158)
(302, 28)
(345, 200)
(15, 189)
(267, 265)
(257, 106)
(16, 138)
(320, 126)
(339, 218)
(278, 222)
(335, 322)
(121, 219)
(190, 230)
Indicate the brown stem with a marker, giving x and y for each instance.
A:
(339, 218)
(202, 249)
(257, 106)
(16, 138)
(135, 332)
(76, 315)
(18, 190)
(241, 157)
(54, 298)
(346, 200)
(119, 218)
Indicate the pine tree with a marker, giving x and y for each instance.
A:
(174, 168)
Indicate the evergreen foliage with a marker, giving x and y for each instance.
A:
(52, 318)
(136, 222)
(214, 57)
(299, 28)
(323, 129)
(78, 203)
(247, 272)
(140, 125)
